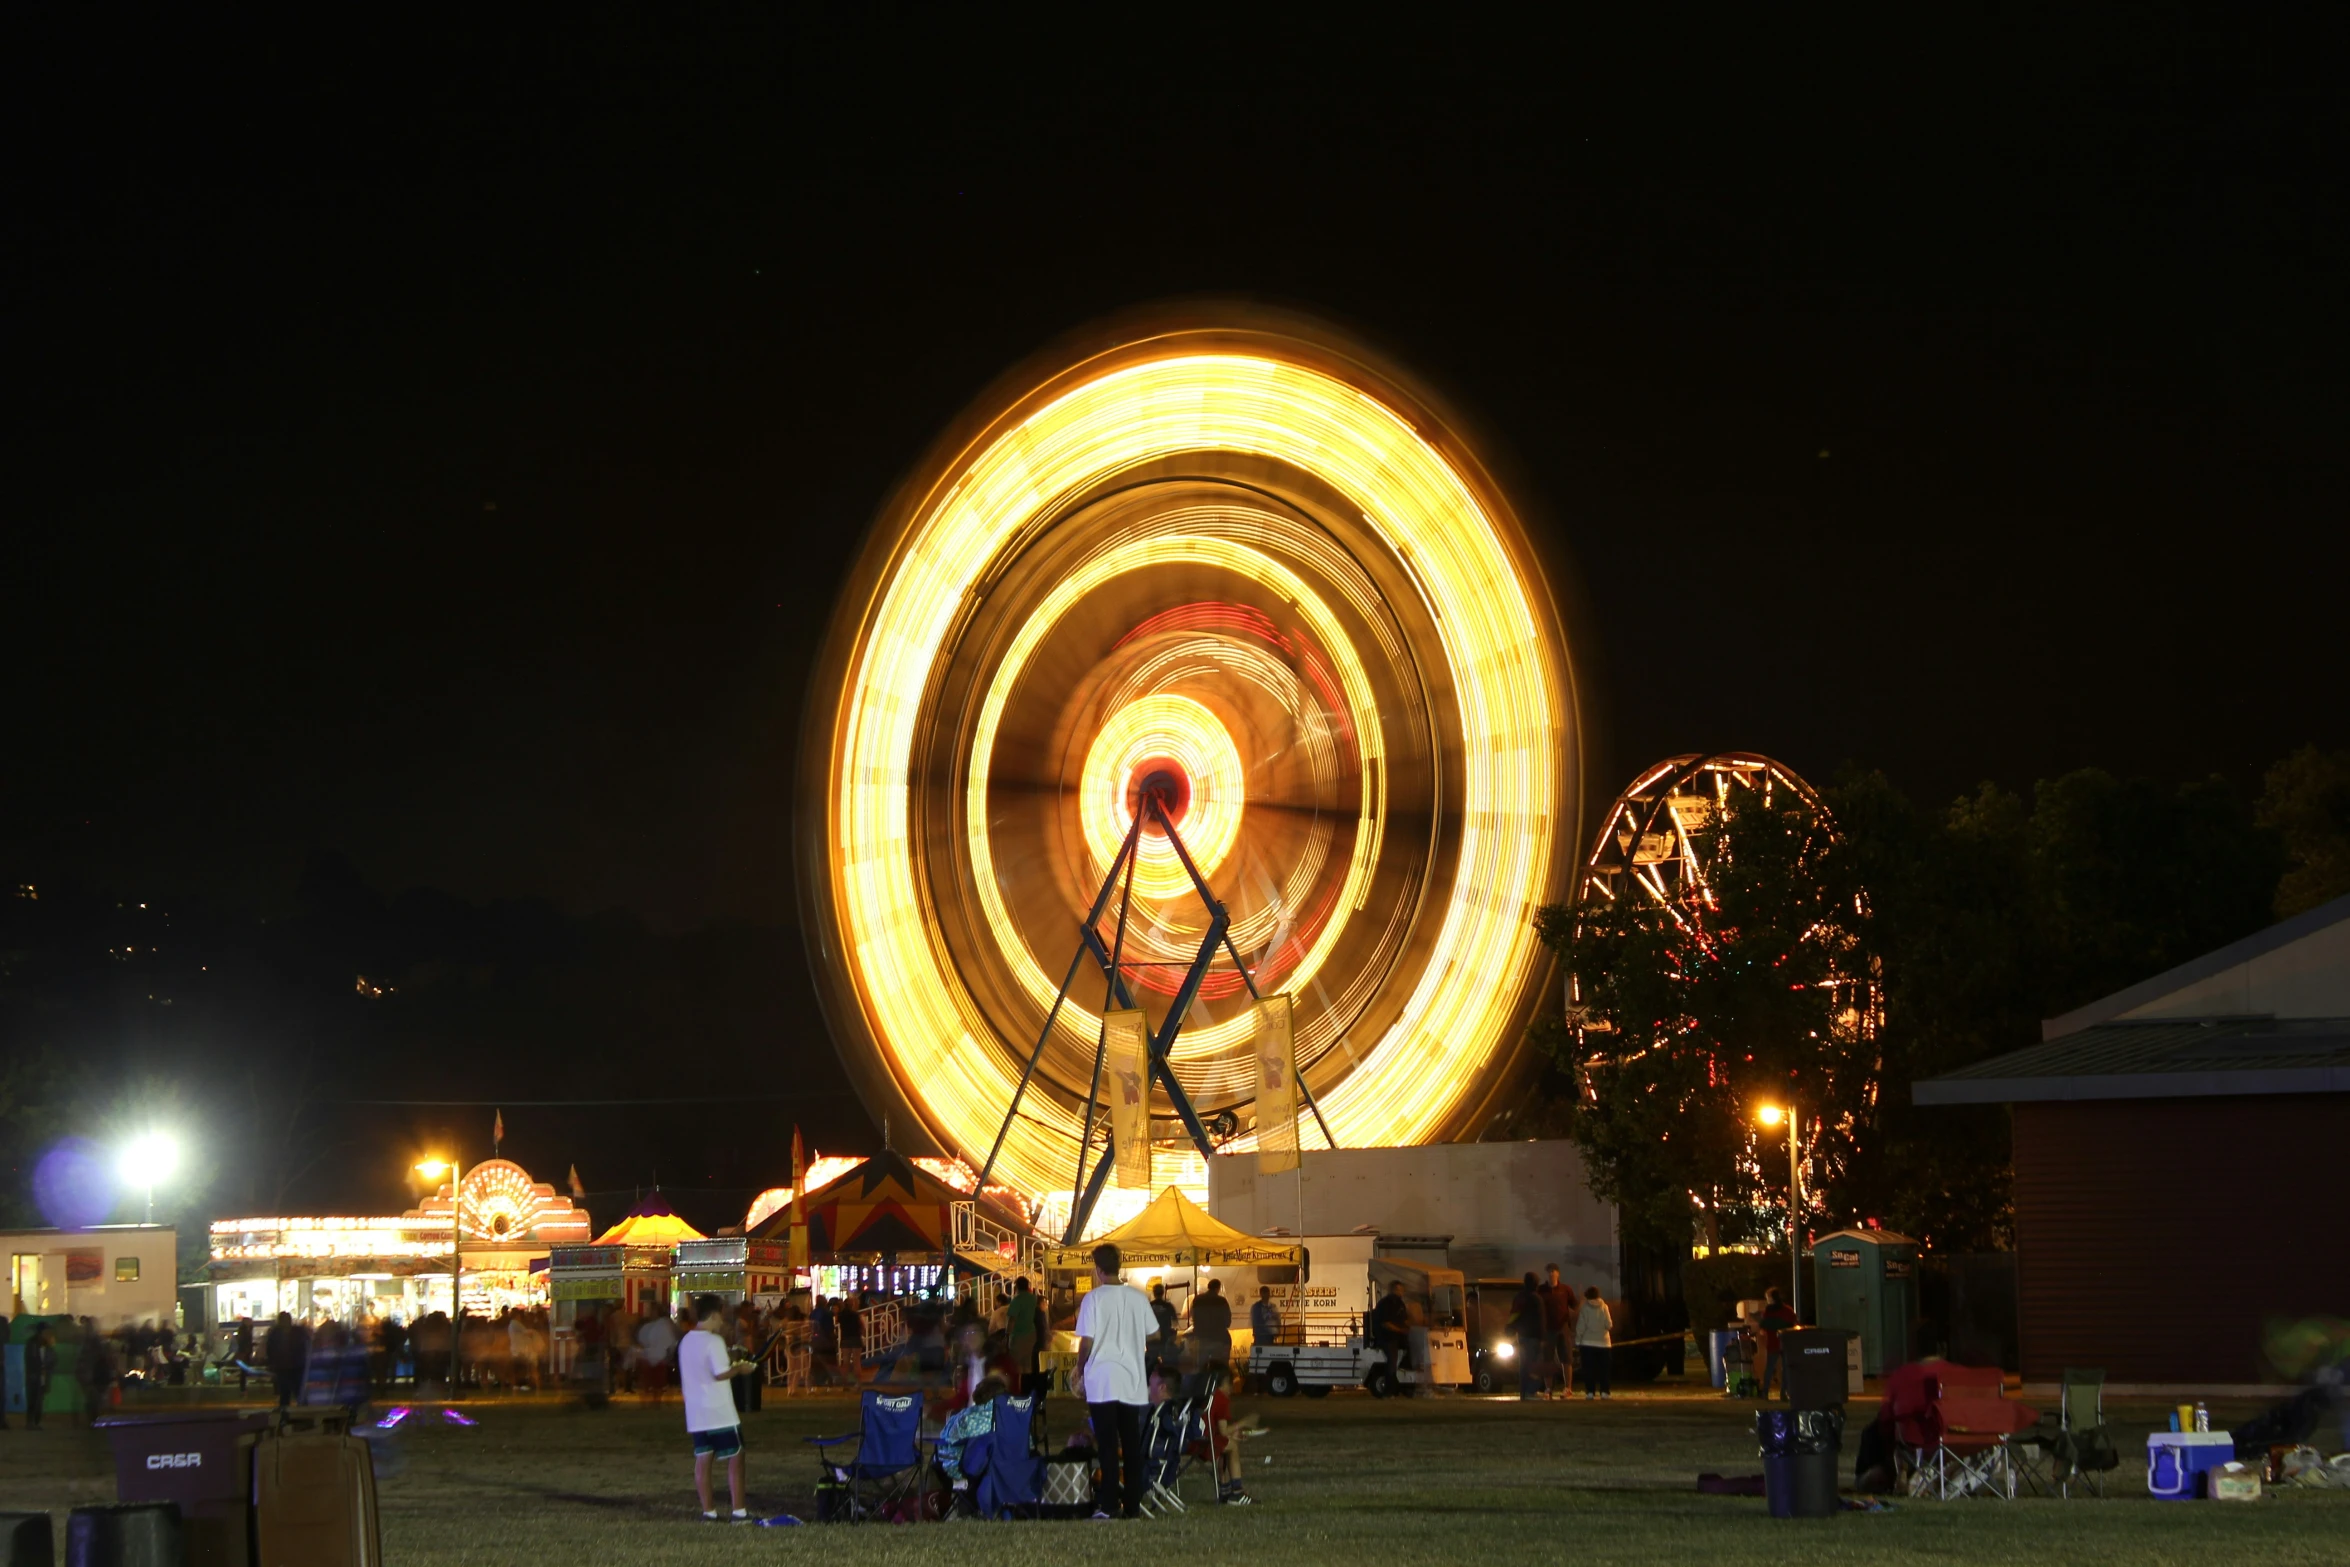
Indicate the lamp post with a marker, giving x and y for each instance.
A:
(1772, 1115)
(432, 1170)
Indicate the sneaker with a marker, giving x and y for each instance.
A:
(1101, 1517)
(709, 1517)
(740, 1515)
(1238, 1499)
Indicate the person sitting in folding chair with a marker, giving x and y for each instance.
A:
(970, 1424)
(1008, 1471)
(886, 1468)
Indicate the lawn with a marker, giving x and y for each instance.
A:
(1350, 1479)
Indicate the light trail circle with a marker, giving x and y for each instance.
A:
(1238, 559)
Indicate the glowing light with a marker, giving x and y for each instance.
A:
(1505, 680)
(1142, 735)
(1505, 1350)
(1770, 1115)
(150, 1159)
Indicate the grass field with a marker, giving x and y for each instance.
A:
(548, 1484)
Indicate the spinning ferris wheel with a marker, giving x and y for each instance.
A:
(1229, 615)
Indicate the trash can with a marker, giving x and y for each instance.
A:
(137, 1534)
(1718, 1346)
(26, 1540)
(1799, 1449)
(201, 1461)
(1814, 1359)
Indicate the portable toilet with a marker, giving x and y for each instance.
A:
(1867, 1283)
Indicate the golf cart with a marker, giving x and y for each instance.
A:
(1440, 1340)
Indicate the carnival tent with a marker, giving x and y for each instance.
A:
(1175, 1232)
(885, 1207)
(652, 1222)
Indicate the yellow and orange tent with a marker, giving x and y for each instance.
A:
(652, 1222)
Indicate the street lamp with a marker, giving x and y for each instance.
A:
(1772, 1115)
(147, 1159)
(433, 1170)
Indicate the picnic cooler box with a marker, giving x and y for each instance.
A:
(2176, 1462)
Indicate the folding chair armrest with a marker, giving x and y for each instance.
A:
(831, 1441)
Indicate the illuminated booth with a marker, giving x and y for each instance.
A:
(499, 1225)
(628, 1266)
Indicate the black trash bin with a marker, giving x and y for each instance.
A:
(203, 1462)
(1799, 1449)
(1814, 1360)
(134, 1534)
(27, 1541)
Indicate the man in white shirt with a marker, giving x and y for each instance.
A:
(706, 1369)
(1114, 1322)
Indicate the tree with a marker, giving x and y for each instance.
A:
(2307, 804)
(1977, 922)
(1697, 1013)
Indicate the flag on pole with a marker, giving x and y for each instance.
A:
(497, 1132)
(798, 1232)
(1276, 1086)
(578, 1192)
(1126, 1054)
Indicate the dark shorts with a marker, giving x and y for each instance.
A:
(725, 1442)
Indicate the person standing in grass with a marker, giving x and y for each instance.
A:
(1775, 1320)
(1594, 1341)
(1558, 1327)
(1525, 1330)
(706, 1369)
(1114, 1323)
(1021, 1323)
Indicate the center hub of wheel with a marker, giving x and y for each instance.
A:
(1158, 780)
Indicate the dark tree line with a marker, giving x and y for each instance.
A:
(1974, 921)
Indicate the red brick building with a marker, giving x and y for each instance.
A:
(2179, 1151)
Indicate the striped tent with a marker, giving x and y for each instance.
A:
(884, 1207)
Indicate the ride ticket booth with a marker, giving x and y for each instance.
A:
(1867, 1285)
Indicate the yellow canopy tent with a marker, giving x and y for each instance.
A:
(652, 1222)
(1175, 1232)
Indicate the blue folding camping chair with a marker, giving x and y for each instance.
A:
(887, 1466)
(1008, 1471)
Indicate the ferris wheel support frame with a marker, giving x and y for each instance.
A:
(1084, 1193)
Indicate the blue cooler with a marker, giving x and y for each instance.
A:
(2176, 1461)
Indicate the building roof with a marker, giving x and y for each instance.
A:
(2296, 968)
(2160, 1058)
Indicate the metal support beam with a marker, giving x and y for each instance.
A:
(1082, 1209)
(1091, 943)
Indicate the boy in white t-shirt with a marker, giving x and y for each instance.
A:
(706, 1369)
(1114, 1321)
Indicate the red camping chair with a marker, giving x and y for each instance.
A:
(1970, 1421)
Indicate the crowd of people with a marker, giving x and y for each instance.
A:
(1559, 1337)
(99, 1363)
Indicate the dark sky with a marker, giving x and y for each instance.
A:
(441, 446)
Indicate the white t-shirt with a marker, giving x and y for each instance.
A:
(1117, 1317)
(702, 1362)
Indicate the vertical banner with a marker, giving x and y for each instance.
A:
(1276, 1087)
(1126, 1060)
(797, 1225)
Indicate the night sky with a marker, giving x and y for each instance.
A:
(440, 447)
